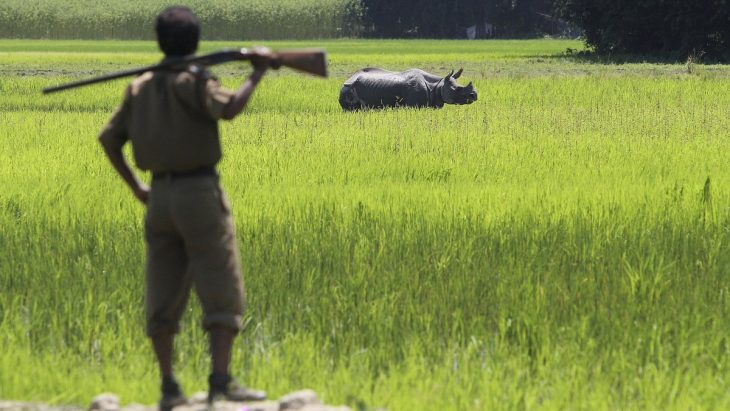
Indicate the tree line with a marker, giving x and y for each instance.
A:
(668, 28)
(672, 28)
(452, 18)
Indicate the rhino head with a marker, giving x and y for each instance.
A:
(453, 93)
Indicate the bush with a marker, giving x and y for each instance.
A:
(672, 28)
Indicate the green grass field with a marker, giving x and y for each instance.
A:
(562, 243)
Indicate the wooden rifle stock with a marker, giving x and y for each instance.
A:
(312, 61)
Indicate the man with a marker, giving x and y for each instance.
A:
(170, 118)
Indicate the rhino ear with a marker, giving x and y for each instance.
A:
(458, 73)
(448, 76)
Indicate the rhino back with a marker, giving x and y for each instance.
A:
(430, 78)
(366, 71)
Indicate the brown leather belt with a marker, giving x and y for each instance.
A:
(196, 172)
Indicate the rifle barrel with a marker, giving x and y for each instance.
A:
(312, 61)
(205, 60)
(94, 80)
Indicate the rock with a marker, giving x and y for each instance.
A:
(298, 400)
(304, 400)
(320, 407)
(105, 402)
(199, 403)
(199, 397)
(13, 406)
(29, 406)
(250, 406)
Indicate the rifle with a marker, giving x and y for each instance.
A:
(312, 61)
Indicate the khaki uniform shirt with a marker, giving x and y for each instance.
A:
(171, 118)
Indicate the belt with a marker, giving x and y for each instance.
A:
(196, 172)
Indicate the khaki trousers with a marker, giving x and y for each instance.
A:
(191, 243)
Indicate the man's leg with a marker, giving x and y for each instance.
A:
(167, 288)
(221, 342)
(162, 343)
(171, 393)
(222, 385)
(215, 264)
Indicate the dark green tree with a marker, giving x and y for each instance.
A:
(450, 18)
(672, 28)
(521, 18)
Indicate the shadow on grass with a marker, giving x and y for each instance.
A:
(593, 57)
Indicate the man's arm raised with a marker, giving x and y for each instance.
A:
(260, 58)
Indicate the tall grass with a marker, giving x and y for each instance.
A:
(556, 245)
(220, 19)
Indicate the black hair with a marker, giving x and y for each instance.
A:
(178, 31)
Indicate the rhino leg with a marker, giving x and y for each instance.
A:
(349, 101)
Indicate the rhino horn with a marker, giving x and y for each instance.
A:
(458, 73)
(469, 86)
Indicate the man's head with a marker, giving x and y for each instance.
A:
(178, 31)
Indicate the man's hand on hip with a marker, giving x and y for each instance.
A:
(142, 192)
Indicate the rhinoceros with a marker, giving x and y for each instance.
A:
(377, 88)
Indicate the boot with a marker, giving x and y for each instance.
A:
(223, 386)
(172, 395)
